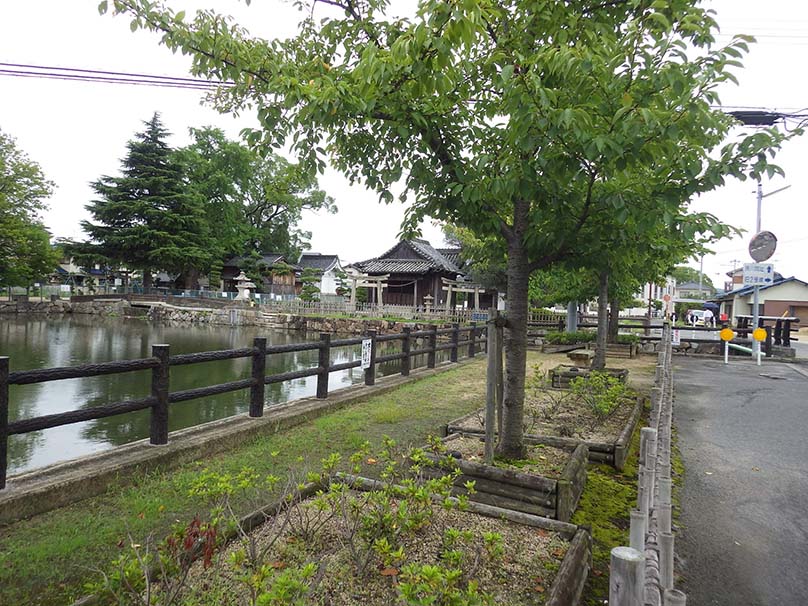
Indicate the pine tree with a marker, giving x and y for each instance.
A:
(311, 285)
(147, 219)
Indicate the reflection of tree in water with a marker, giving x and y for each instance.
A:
(21, 448)
(126, 428)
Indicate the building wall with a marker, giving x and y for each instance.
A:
(329, 283)
(798, 309)
(791, 291)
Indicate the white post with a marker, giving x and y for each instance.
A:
(638, 530)
(626, 577)
(665, 560)
(726, 352)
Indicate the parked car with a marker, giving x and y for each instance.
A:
(698, 314)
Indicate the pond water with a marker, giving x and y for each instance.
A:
(44, 342)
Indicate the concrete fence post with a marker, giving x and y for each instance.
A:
(674, 597)
(665, 560)
(638, 530)
(626, 577)
(158, 432)
(259, 362)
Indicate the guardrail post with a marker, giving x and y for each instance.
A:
(406, 342)
(674, 597)
(3, 420)
(767, 344)
(627, 577)
(324, 361)
(259, 364)
(158, 433)
(370, 371)
(455, 341)
(472, 339)
(432, 340)
(787, 334)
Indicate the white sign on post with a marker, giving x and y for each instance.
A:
(676, 337)
(758, 274)
(366, 345)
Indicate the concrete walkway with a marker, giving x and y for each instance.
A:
(743, 433)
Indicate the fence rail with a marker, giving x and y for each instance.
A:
(160, 363)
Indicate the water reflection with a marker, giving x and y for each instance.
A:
(42, 342)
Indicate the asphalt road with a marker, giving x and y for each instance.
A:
(742, 433)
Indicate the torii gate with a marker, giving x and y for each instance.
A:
(378, 283)
(458, 286)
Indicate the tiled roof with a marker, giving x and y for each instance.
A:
(394, 266)
(431, 259)
(745, 290)
(318, 261)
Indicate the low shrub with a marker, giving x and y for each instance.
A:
(570, 338)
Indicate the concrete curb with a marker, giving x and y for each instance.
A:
(67, 482)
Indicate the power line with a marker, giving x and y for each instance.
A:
(107, 77)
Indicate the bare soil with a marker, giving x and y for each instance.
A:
(546, 461)
(557, 412)
(522, 574)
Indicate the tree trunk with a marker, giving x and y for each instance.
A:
(147, 279)
(599, 363)
(511, 444)
(190, 279)
(614, 319)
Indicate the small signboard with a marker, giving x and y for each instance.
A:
(676, 337)
(366, 346)
(758, 274)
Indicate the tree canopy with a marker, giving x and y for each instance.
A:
(535, 123)
(25, 251)
(147, 219)
(252, 203)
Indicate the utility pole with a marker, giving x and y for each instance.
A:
(756, 291)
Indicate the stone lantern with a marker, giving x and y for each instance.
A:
(243, 285)
(428, 303)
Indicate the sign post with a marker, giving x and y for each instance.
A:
(366, 349)
(726, 335)
(761, 248)
(759, 334)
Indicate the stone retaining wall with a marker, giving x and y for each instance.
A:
(234, 315)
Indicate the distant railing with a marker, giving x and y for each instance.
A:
(413, 343)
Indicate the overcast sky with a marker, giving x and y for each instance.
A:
(78, 131)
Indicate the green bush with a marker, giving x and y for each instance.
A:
(626, 339)
(570, 338)
(602, 392)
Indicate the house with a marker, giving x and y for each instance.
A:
(736, 279)
(786, 296)
(328, 266)
(415, 270)
(692, 290)
(277, 279)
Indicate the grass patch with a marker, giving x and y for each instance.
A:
(605, 504)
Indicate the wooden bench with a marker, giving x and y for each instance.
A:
(582, 358)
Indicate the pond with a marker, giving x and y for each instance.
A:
(34, 342)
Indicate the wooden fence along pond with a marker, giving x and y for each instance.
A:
(161, 362)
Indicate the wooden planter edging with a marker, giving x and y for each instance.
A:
(526, 492)
(619, 350)
(611, 453)
(561, 375)
(568, 586)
